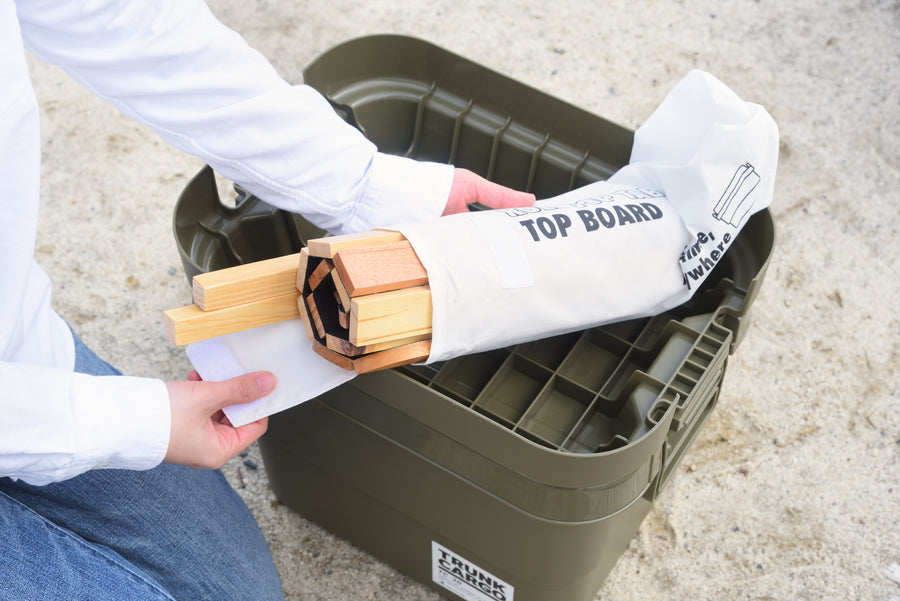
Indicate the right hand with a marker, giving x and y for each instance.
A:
(469, 187)
(201, 435)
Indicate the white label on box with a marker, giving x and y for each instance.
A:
(465, 579)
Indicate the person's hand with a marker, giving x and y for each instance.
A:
(468, 188)
(201, 434)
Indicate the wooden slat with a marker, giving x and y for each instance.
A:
(301, 268)
(319, 273)
(330, 246)
(346, 348)
(390, 315)
(314, 315)
(413, 352)
(341, 290)
(369, 270)
(192, 324)
(336, 358)
(304, 316)
(246, 283)
(400, 355)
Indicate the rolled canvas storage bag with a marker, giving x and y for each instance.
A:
(635, 245)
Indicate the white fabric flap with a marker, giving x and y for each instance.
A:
(281, 348)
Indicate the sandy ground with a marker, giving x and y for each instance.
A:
(792, 490)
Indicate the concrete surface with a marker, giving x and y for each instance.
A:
(792, 490)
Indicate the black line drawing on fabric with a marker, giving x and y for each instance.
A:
(733, 205)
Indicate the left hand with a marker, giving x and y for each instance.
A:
(201, 435)
(468, 188)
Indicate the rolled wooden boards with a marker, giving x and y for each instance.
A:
(363, 299)
(371, 300)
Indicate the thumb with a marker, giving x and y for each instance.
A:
(242, 389)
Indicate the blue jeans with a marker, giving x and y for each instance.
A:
(168, 533)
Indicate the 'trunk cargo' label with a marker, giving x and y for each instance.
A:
(465, 579)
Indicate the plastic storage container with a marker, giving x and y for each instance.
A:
(519, 473)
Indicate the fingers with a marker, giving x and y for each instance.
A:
(496, 196)
(231, 440)
(200, 434)
(462, 189)
(247, 434)
(237, 391)
(468, 188)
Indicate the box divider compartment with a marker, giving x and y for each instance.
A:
(512, 389)
(560, 405)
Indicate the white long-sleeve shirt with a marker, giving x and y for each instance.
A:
(171, 65)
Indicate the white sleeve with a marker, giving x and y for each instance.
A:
(58, 424)
(171, 65)
(53, 424)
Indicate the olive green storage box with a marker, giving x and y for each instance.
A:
(519, 473)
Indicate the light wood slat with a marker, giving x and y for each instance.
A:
(336, 358)
(415, 352)
(319, 273)
(246, 283)
(390, 315)
(304, 316)
(301, 268)
(346, 348)
(190, 323)
(341, 290)
(330, 246)
(314, 315)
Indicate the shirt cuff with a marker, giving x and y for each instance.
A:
(401, 190)
(122, 422)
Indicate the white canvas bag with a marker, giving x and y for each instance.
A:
(635, 245)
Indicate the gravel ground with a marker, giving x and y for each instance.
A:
(792, 489)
